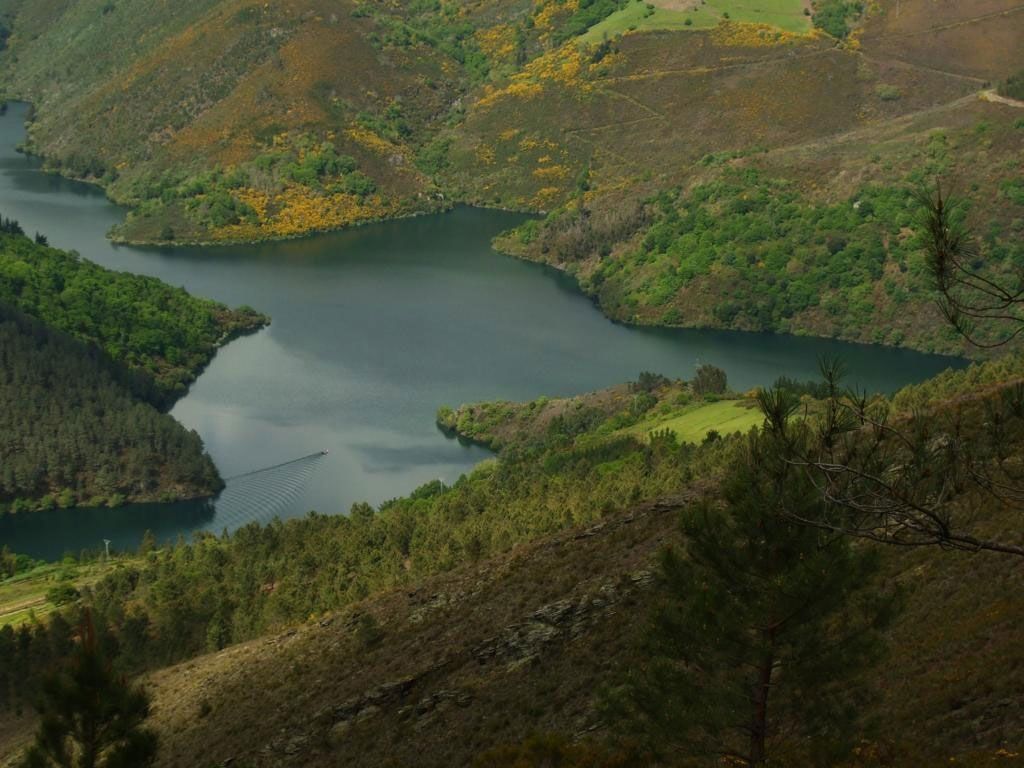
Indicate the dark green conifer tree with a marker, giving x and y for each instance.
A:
(762, 624)
(91, 716)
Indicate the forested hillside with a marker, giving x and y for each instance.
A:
(526, 593)
(760, 242)
(300, 117)
(147, 325)
(91, 358)
(79, 429)
(751, 206)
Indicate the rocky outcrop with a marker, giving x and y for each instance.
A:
(514, 646)
(560, 621)
(471, 651)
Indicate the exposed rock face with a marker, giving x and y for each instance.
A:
(560, 621)
(515, 646)
(489, 649)
(361, 707)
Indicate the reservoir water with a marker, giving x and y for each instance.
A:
(373, 329)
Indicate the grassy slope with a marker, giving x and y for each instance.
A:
(787, 15)
(645, 115)
(23, 602)
(595, 416)
(970, 140)
(686, 121)
(636, 17)
(608, 412)
(256, 72)
(693, 423)
(23, 598)
(286, 70)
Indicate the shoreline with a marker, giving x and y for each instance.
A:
(596, 301)
(447, 206)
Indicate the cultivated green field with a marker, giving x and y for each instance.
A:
(693, 423)
(24, 597)
(637, 16)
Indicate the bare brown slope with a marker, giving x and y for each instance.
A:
(524, 642)
(979, 39)
(466, 661)
(490, 654)
(662, 100)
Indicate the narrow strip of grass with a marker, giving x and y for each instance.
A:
(784, 14)
(26, 616)
(639, 17)
(693, 423)
(636, 17)
(24, 596)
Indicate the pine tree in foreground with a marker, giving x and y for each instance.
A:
(91, 717)
(763, 624)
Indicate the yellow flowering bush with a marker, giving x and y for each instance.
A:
(566, 66)
(552, 173)
(371, 141)
(298, 210)
(497, 42)
(752, 35)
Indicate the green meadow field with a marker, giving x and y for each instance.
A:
(694, 423)
(675, 15)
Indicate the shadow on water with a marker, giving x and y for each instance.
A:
(373, 329)
(51, 535)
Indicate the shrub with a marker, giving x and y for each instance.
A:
(368, 632)
(62, 594)
(648, 382)
(888, 92)
(709, 380)
(1013, 86)
(834, 16)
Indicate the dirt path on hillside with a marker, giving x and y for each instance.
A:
(888, 127)
(995, 98)
(922, 67)
(943, 27)
(24, 605)
(900, 122)
(706, 70)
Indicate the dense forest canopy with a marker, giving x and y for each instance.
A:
(91, 358)
(148, 325)
(79, 429)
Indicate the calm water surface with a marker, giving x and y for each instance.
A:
(373, 329)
